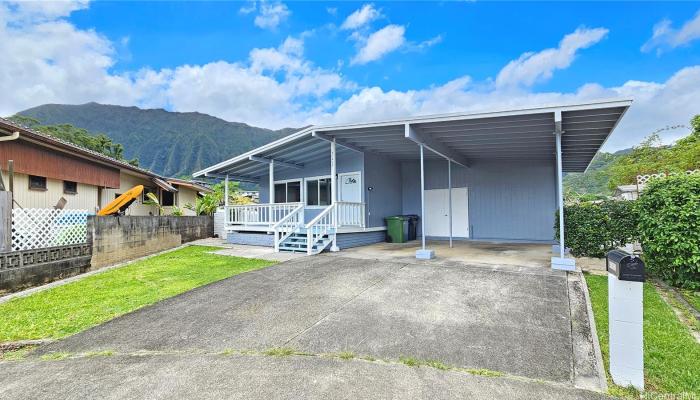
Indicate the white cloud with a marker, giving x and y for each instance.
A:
(332, 10)
(53, 61)
(656, 104)
(665, 36)
(361, 17)
(271, 15)
(380, 43)
(531, 68)
(249, 8)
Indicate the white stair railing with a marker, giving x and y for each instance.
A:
(350, 213)
(286, 226)
(258, 214)
(324, 224)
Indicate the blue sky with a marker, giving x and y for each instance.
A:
(276, 64)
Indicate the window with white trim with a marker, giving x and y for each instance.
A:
(288, 192)
(318, 191)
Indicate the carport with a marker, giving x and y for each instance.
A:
(514, 160)
(569, 136)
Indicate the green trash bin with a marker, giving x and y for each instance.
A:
(396, 228)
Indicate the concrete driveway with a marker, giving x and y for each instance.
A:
(212, 341)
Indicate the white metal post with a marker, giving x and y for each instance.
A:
(334, 195)
(449, 207)
(272, 182)
(226, 192)
(560, 196)
(423, 253)
(562, 263)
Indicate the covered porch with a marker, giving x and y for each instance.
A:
(481, 176)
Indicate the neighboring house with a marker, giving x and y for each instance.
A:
(626, 192)
(333, 186)
(47, 169)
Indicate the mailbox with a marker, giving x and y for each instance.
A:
(625, 266)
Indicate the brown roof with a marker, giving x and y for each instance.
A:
(8, 127)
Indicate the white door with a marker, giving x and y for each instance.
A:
(437, 222)
(350, 187)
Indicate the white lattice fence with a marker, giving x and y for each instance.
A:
(644, 179)
(36, 228)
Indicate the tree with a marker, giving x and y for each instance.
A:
(100, 142)
(208, 203)
(651, 157)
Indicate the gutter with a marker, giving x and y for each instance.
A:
(14, 136)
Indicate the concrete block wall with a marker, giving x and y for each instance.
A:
(119, 239)
(26, 268)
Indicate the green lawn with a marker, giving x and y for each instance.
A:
(692, 297)
(79, 305)
(671, 355)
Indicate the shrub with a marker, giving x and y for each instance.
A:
(669, 225)
(592, 229)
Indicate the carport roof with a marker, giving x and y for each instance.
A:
(521, 134)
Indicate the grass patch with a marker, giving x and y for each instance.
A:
(103, 353)
(280, 352)
(483, 372)
(71, 308)
(17, 355)
(410, 361)
(692, 297)
(437, 364)
(368, 358)
(671, 354)
(346, 355)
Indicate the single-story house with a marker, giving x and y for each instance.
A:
(48, 170)
(627, 192)
(469, 176)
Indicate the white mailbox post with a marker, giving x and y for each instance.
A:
(625, 318)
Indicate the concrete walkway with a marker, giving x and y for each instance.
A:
(466, 317)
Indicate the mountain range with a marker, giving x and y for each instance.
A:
(165, 142)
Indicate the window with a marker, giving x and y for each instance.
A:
(167, 199)
(70, 187)
(288, 192)
(145, 193)
(318, 192)
(37, 182)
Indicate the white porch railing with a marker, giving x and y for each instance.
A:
(324, 224)
(350, 213)
(288, 225)
(258, 214)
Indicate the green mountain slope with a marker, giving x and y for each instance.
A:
(168, 143)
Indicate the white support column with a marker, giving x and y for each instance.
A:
(423, 253)
(449, 194)
(334, 194)
(272, 182)
(561, 262)
(226, 191)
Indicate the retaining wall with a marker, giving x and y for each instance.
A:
(118, 239)
(26, 268)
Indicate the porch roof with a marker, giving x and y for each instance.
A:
(522, 134)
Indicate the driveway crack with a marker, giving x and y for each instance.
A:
(341, 306)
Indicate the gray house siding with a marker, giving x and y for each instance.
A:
(507, 200)
(347, 161)
(384, 176)
(348, 240)
(251, 239)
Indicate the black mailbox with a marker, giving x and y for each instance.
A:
(625, 266)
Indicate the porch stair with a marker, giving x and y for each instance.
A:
(297, 243)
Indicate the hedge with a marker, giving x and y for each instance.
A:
(669, 226)
(593, 229)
